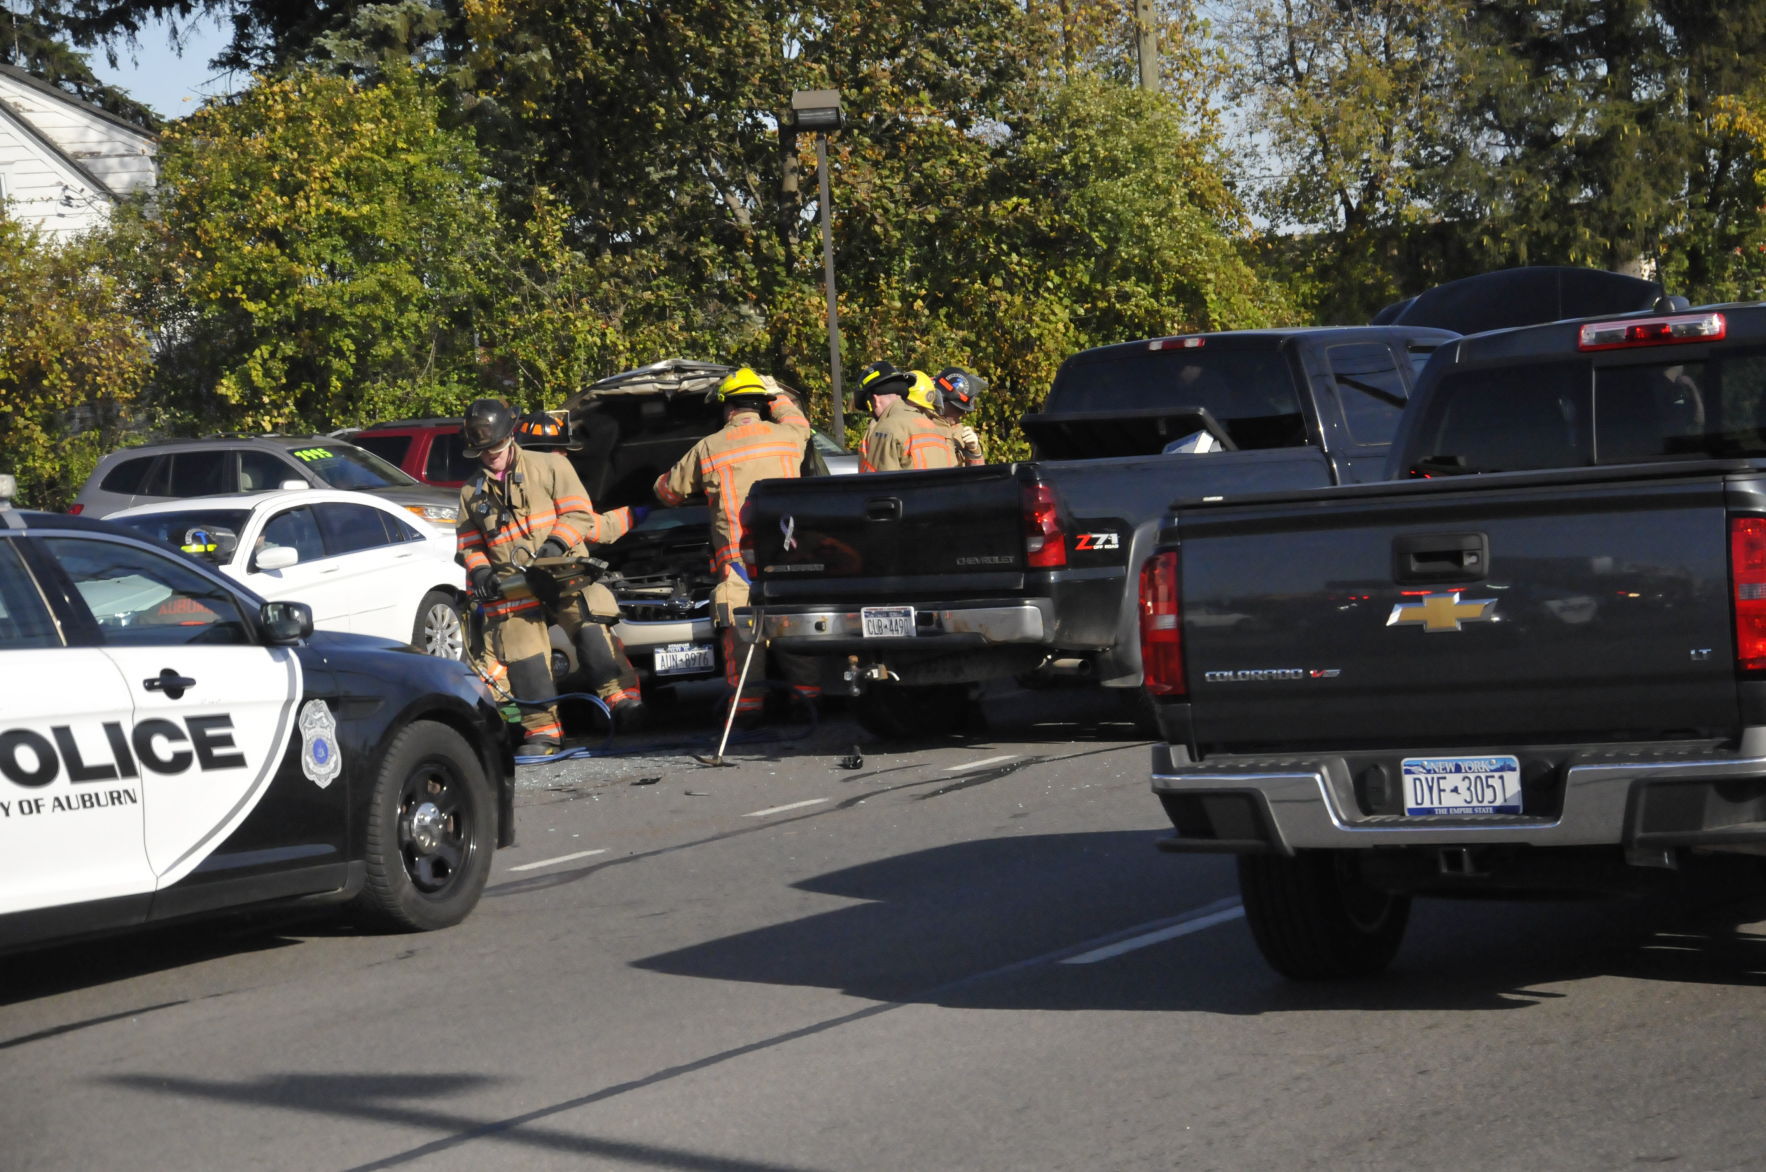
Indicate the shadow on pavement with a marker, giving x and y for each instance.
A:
(59, 968)
(409, 1100)
(956, 925)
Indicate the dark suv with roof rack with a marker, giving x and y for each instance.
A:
(174, 469)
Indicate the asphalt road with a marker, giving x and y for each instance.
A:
(959, 955)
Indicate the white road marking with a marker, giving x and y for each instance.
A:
(782, 809)
(986, 761)
(1199, 920)
(559, 859)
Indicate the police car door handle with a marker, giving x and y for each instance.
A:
(169, 682)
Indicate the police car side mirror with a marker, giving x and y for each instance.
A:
(286, 622)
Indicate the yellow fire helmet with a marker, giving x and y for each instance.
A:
(741, 383)
(921, 392)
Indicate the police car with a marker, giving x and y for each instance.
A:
(171, 745)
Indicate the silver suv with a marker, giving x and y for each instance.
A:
(174, 469)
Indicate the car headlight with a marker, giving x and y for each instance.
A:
(436, 514)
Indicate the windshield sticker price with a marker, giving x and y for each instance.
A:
(311, 454)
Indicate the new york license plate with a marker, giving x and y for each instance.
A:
(680, 658)
(1462, 785)
(887, 622)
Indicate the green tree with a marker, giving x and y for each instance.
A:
(325, 246)
(72, 360)
(989, 186)
(1097, 218)
(1589, 133)
(1349, 104)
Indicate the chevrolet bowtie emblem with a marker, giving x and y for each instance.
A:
(1441, 612)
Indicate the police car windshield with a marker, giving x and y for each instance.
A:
(171, 528)
(344, 465)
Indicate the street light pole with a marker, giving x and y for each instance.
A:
(828, 276)
(819, 110)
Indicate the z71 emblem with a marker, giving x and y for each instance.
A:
(1097, 541)
(1441, 612)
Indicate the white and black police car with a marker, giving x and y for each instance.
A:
(172, 745)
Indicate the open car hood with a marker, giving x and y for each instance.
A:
(629, 428)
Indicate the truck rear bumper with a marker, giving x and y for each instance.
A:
(1651, 800)
(936, 628)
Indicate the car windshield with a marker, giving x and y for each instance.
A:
(174, 528)
(344, 465)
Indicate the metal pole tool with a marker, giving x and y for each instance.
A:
(735, 701)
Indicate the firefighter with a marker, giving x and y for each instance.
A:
(517, 507)
(905, 430)
(957, 390)
(722, 467)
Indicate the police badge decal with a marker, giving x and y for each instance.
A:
(320, 758)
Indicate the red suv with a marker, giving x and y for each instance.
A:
(429, 449)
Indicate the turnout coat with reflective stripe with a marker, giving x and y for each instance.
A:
(539, 497)
(727, 463)
(904, 436)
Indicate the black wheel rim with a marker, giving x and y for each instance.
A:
(436, 827)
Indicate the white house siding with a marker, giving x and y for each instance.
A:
(44, 190)
(119, 157)
(65, 162)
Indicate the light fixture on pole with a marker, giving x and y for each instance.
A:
(819, 111)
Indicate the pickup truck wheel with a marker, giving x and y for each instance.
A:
(430, 829)
(1314, 918)
(898, 713)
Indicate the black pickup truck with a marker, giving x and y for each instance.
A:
(1535, 660)
(927, 582)
(938, 579)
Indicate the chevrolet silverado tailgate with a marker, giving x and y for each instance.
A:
(943, 532)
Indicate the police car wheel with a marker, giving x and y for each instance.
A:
(439, 631)
(430, 829)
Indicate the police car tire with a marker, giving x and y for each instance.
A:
(1315, 919)
(427, 866)
(427, 629)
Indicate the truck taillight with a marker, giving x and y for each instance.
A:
(1161, 626)
(1652, 331)
(1044, 543)
(1747, 581)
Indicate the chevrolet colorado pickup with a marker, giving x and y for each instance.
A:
(1534, 660)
